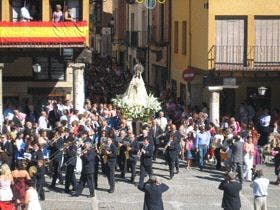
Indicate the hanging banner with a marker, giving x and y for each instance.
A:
(43, 32)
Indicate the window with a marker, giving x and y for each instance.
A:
(176, 37)
(184, 37)
(34, 8)
(75, 7)
(16, 5)
(52, 68)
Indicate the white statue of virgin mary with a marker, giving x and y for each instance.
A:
(136, 93)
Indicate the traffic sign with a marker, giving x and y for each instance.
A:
(188, 75)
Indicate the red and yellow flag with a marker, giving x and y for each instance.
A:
(43, 32)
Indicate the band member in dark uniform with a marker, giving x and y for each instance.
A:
(36, 154)
(133, 149)
(171, 152)
(146, 153)
(122, 142)
(56, 157)
(70, 160)
(111, 152)
(87, 175)
(155, 132)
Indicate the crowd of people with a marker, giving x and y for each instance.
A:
(62, 140)
(105, 79)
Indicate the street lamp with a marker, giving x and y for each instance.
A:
(262, 90)
(37, 68)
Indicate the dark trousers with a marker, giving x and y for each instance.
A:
(85, 178)
(122, 162)
(177, 163)
(143, 170)
(70, 178)
(171, 164)
(237, 167)
(264, 136)
(110, 173)
(57, 174)
(132, 165)
(40, 190)
(218, 158)
(155, 151)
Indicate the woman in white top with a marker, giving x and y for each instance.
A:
(31, 197)
(6, 180)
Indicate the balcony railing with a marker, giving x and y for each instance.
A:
(237, 58)
(43, 34)
(137, 39)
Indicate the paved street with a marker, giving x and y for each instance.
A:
(189, 190)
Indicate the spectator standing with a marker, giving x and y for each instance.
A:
(202, 144)
(249, 151)
(260, 186)
(6, 194)
(237, 157)
(57, 14)
(25, 14)
(162, 121)
(31, 197)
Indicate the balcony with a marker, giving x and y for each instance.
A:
(43, 34)
(137, 39)
(240, 58)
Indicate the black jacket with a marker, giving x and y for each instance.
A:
(70, 157)
(36, 155)
(88, 161)
(54, 116)
(231, 199)
(55, 153)
(172, 151)
(153, 196)
(146, 159)
(8, 148)
(134, 150)
(113, 156)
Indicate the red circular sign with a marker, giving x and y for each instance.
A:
(188, 75)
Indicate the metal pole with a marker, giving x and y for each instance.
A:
(148, 53)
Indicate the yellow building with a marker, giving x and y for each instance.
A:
(41, 58)
(233, 45)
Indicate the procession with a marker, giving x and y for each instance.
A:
(64, 144)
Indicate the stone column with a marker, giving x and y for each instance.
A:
(214, 104)
(1, 97)
(78, 85)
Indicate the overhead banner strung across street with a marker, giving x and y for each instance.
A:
(43, 32)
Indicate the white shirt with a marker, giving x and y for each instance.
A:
(265, 120)
(43, 122)
(162, 122)
(260, 186)
(25, 14)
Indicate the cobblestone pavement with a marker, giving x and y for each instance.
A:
(189, 190)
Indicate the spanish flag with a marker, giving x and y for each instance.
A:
(43, 32)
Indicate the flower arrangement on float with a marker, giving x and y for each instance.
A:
(132, 111)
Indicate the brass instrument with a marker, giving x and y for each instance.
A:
(105, 155)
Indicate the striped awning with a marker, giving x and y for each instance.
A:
(43, 33)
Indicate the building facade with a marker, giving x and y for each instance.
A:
(230, 45)
(42, 59)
